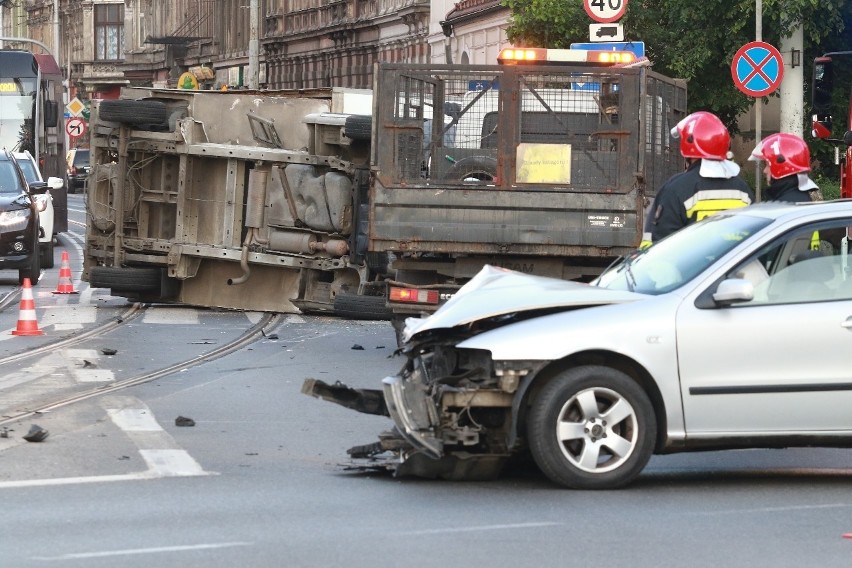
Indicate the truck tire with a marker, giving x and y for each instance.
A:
(358, 126)
(33, 271)
(124, 111)
(483, 168)
(357, 307)
(126, 279)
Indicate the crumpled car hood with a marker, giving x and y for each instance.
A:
(496, 291)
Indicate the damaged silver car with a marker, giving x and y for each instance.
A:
(734, 332)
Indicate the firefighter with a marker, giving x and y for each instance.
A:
(710, 183)
(788, 162)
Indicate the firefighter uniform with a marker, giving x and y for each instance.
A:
(689, 197)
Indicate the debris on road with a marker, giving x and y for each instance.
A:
(109, 351)
(184, 421)
(357, 347)
(36, 434)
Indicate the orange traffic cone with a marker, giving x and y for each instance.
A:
(27, 323)
(65, 285)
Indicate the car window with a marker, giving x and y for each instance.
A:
(680, 257)
(29, 170)
(9, 180)
(81, 158)
(810, 264)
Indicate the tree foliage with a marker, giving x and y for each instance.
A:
(691, 39)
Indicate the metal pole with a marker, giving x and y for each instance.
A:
(254, 51)
(758, 102)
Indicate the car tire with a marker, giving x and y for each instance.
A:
(123, 279)
(358, 127)
(124, 111)
(570, 439)
(33, 271)
(46, 251)
(483, 168)
(357, 307)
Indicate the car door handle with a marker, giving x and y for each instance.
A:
(847, 323)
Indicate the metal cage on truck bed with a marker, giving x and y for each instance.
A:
(475, 162)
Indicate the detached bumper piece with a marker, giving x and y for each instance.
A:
(366, 401)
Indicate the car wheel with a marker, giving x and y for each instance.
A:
(120, 279)
(482, 168)
(33, 271)
(46, 250)
(592, 427)
(353, 306)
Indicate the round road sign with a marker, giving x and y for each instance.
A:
(757, 69)
(75, 127)
(605, 11)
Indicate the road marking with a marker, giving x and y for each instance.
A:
(776, 509)
(156, 446)
(480, 528)
(83, 366)
(68, 316)
(187, 316)
(133, 551)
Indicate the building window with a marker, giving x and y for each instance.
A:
(109, 32)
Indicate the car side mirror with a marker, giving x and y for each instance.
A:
(55, 182)
(38, 187)
(732, 291)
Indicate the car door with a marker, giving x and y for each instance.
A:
(779, 363)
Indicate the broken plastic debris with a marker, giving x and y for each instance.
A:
(184, 421)
(109, 351)
(357, 347)
(36, 434)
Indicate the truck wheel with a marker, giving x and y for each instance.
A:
(126, 279)
(358, 126)
(353, 306)
(134, 112)
(46, 251)
(482, 168)
(592, 427)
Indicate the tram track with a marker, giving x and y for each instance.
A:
(249, 336)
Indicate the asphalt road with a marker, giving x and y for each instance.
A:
(260, 478)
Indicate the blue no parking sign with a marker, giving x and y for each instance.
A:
(757, 69)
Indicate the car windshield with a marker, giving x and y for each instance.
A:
(81, 158)
(9, 180)
(677, 259)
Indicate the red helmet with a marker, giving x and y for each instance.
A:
(702, 135)
(787, 154)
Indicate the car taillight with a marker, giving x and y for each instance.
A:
(413, 295)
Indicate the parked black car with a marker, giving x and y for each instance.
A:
(78, 169)
(19, 223)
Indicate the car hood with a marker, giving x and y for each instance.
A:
(13, 201)
(497, 291)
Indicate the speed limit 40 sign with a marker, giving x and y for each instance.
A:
(605, 11)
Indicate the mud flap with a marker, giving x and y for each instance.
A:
(367, 401)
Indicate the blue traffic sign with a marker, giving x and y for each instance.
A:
(636, 47)
(757, 69)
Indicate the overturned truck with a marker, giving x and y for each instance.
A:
(379, 203)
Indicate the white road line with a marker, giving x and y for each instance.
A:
(186, 316)
(480, 528)
(776, 509)
(133, 551)
(156, 447)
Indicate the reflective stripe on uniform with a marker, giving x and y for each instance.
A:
(708, 202)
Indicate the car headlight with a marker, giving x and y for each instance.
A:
(14, 220)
